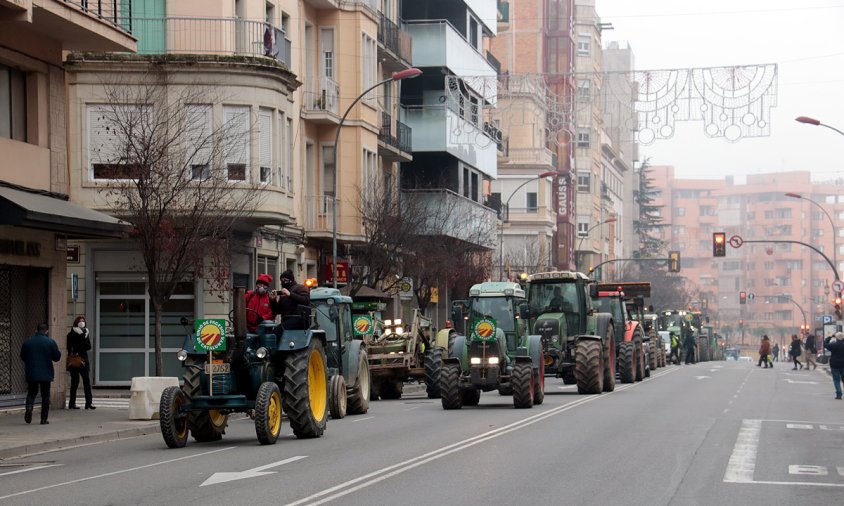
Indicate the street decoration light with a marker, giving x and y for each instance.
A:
(396, 76)
(506, 219)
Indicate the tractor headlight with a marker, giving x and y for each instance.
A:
(475, 360)
(261, 352)
(493, 360)
(182, 355)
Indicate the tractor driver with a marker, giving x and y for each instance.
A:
(556, 303)
(291, 298)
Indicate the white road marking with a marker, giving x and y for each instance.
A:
(374, 477)
(808, 470)
(362, 419)
(106, 475)
(827, 427)
(797, 382)
(799, 426)
(411, 409)
(804, 483)
(27, 469)
(249, 473)
(742, 462)
(701, 377)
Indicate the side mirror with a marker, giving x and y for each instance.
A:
(651, 308)
(524, 311)
(593, 290)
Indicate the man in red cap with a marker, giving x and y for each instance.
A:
(262, 306)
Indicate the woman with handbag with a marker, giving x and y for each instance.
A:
(78, 344)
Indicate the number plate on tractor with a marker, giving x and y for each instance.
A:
(217, 368)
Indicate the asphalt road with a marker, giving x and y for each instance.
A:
(711, 433)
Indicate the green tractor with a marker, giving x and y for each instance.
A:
(348, 365)
(496, 353)
(578, 342)
(260, 374)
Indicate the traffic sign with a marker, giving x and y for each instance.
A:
(838, 286)
(827, 318)
(736, 241)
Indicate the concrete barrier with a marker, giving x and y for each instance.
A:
(146, 396)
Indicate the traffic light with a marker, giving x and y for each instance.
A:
(673, 261)
(719, 244)
(837, 304)
(742, 297)
(741, 323)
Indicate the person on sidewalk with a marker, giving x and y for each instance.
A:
(775, 351)
(764, 351)
(811, 352)
(835, 345)
(38, 354)
(689, 347)
(79, 342)
(795, 351)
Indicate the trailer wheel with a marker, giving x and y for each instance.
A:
(522, 380)
(174, 424)
(268, 413)
(337, 397)
(306, 390)
(433, 368)
(449, 386)
(589, 368)
(358, 395)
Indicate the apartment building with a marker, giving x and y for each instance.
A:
(36, 219)
(785, 282)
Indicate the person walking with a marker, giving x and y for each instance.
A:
(795, 350)
(689, 345)
(775, 351)
(79, 342)
(675, 349)
(835, 345)
(811, 352)
(38, 354)
(764, 351)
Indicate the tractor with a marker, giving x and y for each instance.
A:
(683, 324)
(578, 342)
(348, 365)
(496, 353)
(276, 368)
(632, 351)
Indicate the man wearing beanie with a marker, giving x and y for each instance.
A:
(290, 297)
(835, 345)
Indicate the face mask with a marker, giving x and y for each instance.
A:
(261, 290)
(82, 325)
(287, 283)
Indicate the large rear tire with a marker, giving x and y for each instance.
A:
(358, 395)
(626, 362)
(653, 358)
(522, 380)
(174, 424)
(205, 426)
(589, 367)
(450, 386)
(640, 359)
(337, 397)
(433, 368)
(306, 390)
(268, 413)
(609, 361)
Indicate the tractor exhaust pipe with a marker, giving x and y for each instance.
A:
(239, 317)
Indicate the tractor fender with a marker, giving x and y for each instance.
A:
(630, 330)
(443, 337)
(350, 360)
(603, 321)
(458, 349)
(189, 346)
(535, 350)
(298, 339)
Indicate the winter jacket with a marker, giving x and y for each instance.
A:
(38, 354)
(78, 342)
(765, 347)
(299, 296)
(260, 304)
(836, 348)
(796, 349)
(810, 344)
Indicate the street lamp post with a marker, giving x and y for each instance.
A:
(812, 121)
(397, 76)
(507, 218)
(611, 219)
(831, 223)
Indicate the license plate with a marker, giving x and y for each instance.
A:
(217, 368)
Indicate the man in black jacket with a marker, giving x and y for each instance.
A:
(835, 345)
(290, 297)
(38, 354)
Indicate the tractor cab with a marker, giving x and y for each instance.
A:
(333, 314)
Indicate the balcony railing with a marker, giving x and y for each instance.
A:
(392, 37)
(405, 136)
(531, 156)
(372, 4)
(318, 212)
(323, 95)
(110, 11)
(401, 139)
(215, 36)
(452, 215)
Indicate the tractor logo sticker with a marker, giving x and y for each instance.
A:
(363, 325)
(485, 329)
(210, 335)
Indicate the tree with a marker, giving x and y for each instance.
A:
(649, 223)
(165, 161)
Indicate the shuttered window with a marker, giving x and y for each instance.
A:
(199, 141)
(265, 145)
(109, 130)
(236, 142)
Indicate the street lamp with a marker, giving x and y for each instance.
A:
(812, 121)
(802, 312)
(396, 76)
(831, 223)
(507, 218)
(611, 219)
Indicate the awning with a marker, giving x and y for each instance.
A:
(38, 210)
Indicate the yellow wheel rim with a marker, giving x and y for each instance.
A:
(181, 424)
(217, 417)
(274, 413)
(317, 385)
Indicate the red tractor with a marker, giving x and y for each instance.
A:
(632, 353)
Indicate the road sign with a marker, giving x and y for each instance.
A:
(406, 288)
(827, 318)
(736, 241)
(751, 297)
(838, 286)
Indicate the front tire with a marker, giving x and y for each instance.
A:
(433, 368)
(609, 362)
(589, 367)
(337, 397)
(626, 362)
(539, 384)
(268, 413)
(450, 386)
(306, 391)
(205, 426)
(522, 380)
(358, 400)
(174, 423)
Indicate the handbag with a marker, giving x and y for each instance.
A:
(74, 361)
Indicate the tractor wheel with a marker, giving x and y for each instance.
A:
(539, 384)
(174, 424)
(268, 413)
(306, 390)
(433, 366)
(626, 362)
(522, 380)
(569, 379)
(450, 386)
(640, 360)
(653, 359)
(205, 426)
(609, 362)
(391, 389)
(337, 397)
(589, 367)
(470, 397)
(358, 395)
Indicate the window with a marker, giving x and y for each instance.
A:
(584, 181)
(583, 138)
(582, 228)
(326, 48)
(281, 157)
(583, 42)
(473, 29)
(327, 179)
(107, 142)
(370, 168)
(199, 140)
(236, 142)
(679, 211)
(584, 89)
(288, 138)
(12, 104)
(531, 202)
(268, 265)
(265, 145)
(370, 66)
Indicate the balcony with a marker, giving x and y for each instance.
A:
(212, 36)
(532, 156)
(494, 62)
(394, 45)
(394, 140)
(318, 214)
(438, 44)
(452, 215)
(437, 128)
(321, 101)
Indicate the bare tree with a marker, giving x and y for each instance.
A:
(529, 257)
(171, 177)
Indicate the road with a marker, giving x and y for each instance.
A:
(710, 433)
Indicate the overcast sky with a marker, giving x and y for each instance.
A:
(805, 39)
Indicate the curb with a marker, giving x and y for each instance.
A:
(58, 444)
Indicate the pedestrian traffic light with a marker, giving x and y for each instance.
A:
(719, 244)
(741, 323)
(673, 261)
(742, 297)
(837, 304)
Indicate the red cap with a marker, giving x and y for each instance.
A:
(265, 278)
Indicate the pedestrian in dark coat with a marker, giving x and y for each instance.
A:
(764, 351)
(689, 346)
(835, 345)
(811, 352)
(290, 297)
(775, 351)
(795, 350)
(38, 354)
(79, 342)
